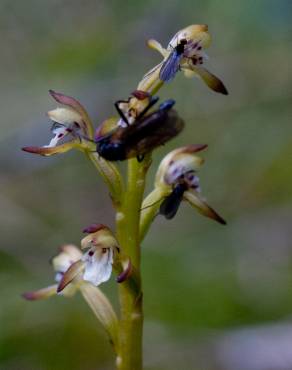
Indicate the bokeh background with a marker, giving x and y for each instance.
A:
(216, 298)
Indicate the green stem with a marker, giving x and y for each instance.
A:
(131, 302)
(129, 355)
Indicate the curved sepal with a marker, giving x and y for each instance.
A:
(201, 206)
(48, 151)
(210, 80)
(40, 294)
(155, 45)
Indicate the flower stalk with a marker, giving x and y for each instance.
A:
(131, 301)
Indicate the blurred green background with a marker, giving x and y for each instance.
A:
(216, 298)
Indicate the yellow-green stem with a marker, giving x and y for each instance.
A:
(129, 356)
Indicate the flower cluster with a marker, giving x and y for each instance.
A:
(132, 136)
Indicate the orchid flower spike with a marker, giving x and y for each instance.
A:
(72, 128)
(69, 254)
(185, 52)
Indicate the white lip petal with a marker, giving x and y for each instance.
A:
(98, 265)
(60, 133)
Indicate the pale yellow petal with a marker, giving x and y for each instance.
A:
(195, 32)
(210, 80)
(64, 116)
(153, 44)
(189, 73)
(101, 237)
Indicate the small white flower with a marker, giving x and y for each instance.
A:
(177, 180)
(98, 259)
(71, 124)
